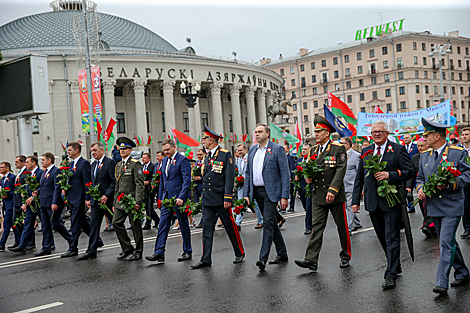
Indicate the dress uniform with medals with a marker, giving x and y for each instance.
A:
(218, 173)
(129, 180)
(332, 159)
(447, 208)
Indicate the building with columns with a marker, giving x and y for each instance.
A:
(393, 71)
(141, 75)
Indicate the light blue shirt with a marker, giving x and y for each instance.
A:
(258, 162)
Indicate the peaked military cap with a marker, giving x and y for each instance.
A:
(432, 127)
(322, 124)
(125, 143)
(209, 133)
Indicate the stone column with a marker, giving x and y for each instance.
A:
(217, 115)
(76, 111)
(169, 105)
(250, 108)
(140, 110)
(109, 105)
(261, 96)
(269, 100)
(194, 115)
(236, 109)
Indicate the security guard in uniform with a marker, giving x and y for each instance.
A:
(218, 172)
(328, 195)
(129, 180)
(447, 208)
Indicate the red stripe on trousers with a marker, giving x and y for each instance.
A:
(237, 233)
(347, 229)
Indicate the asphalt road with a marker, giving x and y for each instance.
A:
(107, 285)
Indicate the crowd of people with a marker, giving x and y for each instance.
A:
(330, 175)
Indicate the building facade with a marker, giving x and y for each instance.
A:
(141, 75)
(393, 71)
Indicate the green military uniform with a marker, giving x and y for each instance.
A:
(129, 180)
(332, 161)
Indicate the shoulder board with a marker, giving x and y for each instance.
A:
(335, 143)
(456, 148)
(134, 160)
(224, 150)
(428, 150)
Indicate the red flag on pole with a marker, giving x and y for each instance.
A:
(298, 135)
(98, 126)
(109, 129)
(377, 109)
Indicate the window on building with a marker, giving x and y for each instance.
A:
(402, 90)
(435, 90)
(35, 125)
(118, 91)
(348, 85)
(323, 63)
(389, 107)
(462, 104)
(461, 90)
(387, 78)
(373, 80)
(305, 118)
(185, 122)
(349, 98)
(294, 106)
(388, 93)
(348, 72)
(384, 50)
(402, 105)
(361, 82)
(147, 119)
(415, 60)
(444, 75)
(292, 82)
(417, 88)
(286, 120)
(121, 123)
(312, 65)
(373, 69)
(346, 58)
(315, 103)
(282, 72)
(325, 77)
(335, 60)
(466, 50)
(453, 90)
(359, 69)
(386, 64)
(337, 87)
(294, 94)
(374, 94)
(414, 45)
(302, 67)
(163, 122)
(204, 119)
(305, 105)
(292, 70)
(400, 63)
(401, 75)
(416, 74)
(296, 119)
(230, 121)
(363, 109)
(362, 96)
(418, 104)
(459, 62)
(427, 103)
(458, 50)
(314, 78)
(371, 53)
(315, 90)
(304, 92)
(434, 75)
(302, 81)
(399, 47)
(359, 56)
(463, 117)
(336, 74)
(423, 46)
(460, 76)
(426, 74)
(307, 129)
(425, 61)
(443, 61)
(325, 89)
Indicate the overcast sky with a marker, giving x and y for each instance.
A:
(266, 28)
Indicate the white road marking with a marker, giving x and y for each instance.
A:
(363, 230)
(42, 307)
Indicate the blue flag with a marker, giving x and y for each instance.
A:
(337, 124)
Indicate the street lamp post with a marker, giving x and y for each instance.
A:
(188, 94)
(440, 51)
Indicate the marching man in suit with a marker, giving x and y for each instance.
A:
(412, 149)
(153, 193)
(149, 198)
(7, 181)
(218, 173)
(447, 208)
(386, 220)
(51, 204)
(267, 181)
(175, 181)
(102, 175)
(291, 162)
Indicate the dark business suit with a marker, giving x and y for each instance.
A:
(412, 149)
(102, 175)
(291, 162)
(385, 219)
(76, 197)
(31, 214)
(8, 181)
(150, 194)
(217, 189)
(306, 201)
(49, 194)
(175, 183)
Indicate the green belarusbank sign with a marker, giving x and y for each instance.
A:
(378, 30)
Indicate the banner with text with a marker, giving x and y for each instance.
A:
(95, 78)
(407, 122)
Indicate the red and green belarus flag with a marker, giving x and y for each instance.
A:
(108, 137)
(341, 109)
(183, 140)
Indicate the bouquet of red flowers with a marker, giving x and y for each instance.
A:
(64, 180)
(240, 206)
(33, 185)
(4, 192)
(195, 172)
(128, 203)
(299, 173)
(21, 190)
(156, 179)
(239, 182)
(446, 175)
(191, 208)
(169, 204)
(374, 166)
(310, 170)
(19, 219)
(95, 193)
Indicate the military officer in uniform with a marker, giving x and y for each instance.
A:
(218, 172)
(447, 208)
(328, 195)
(129, 180)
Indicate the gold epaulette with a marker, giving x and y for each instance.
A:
(428, 150)
(456, 148)
(134, 160)
(224, 150)
(335, 143)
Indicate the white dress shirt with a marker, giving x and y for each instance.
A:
(382, 149)
(258, 162)
(440, 149)
(169, 162)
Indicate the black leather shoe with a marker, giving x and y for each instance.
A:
(389, 283)
(100, 244)
(135, 257)
(282, 222)
(307, 264)
(460, 282)
(465, 235)
(42, 252)
(279, 259)
(261, 265)
(2, 248)
(441, 291)
(16, 244)
(185, 257)
(30, 247)
(109, 229)
(290, 210)
(399, 270)
(200, 265)
(356, 228)
(146, 227)
(238, 259)
(156, 258)
(52, 248)
(344, 263)
(427, 232)
(199, 226)
(17, 249)
(124, 255)
(69, 254)
(86, 256)
(307, 231)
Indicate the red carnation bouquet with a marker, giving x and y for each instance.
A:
(240, 206)
(64, 180)
(128, 203)
(21, 190)
(239, 182)
(310, 170)
(191, 208)
(299, 173)
(446, 175)
(169, 204)
(95, 193)
(156, 179)
(4, 192)
(374, 166)
(33, 185)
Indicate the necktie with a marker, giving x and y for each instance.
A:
(378, 151)
(71, 164)
(167, 166)
(96, 168)
(321, 149)
(435, 155)
(145, 167)
(44, 175)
